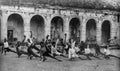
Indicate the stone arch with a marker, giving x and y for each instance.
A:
(15, 27)
(91, 30)
(77, 17)
(56, 15)
(74, 26)
(106, 31)
(37, 27)
(57, 27)
(41, 15)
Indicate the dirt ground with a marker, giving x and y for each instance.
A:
(11, 62)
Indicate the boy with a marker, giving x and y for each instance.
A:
(6, 46)
(72, 52)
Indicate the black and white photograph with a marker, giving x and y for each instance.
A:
(59, 35)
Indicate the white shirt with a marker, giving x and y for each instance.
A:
(107, 51)
(54, 51)
(73, 44)
(6, 44)
(87, 51)
(25, 40)
(72, 53)
(66, 46)
(31, 41)
(77, 49)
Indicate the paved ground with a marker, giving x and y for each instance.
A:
(10, 62)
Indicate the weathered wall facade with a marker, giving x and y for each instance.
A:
(46, 16)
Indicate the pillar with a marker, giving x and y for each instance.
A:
(27, 25)
(99, 32)
(4, 25)
(66, 28)
(113, 29)
(83, 30)
(47, 26)
(118, 30)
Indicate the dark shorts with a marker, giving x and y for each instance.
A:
(6, 49)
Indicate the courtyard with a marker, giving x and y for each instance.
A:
(11, 62)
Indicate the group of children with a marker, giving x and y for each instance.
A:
(71, 49)
(85, 49)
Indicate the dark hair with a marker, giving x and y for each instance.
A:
(24, 35)
(82, 41)
(43, 39)
(47, 36)
(53, 43)
(5, 40)
(28, 40)
(115, 37)
(15, 39)
(105, 47)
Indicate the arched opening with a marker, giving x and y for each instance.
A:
(57, 28)
(105, 31)
(74, 29)
(91, 30)
(15, 28)
(37, 27)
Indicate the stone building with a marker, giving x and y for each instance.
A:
(17, 20)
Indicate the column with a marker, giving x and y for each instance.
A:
(99, 32)
(47, 26)
(113, 29)
(27, 25)
(83, 30)
(4, 25)
(118, 30)
(66, 28)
